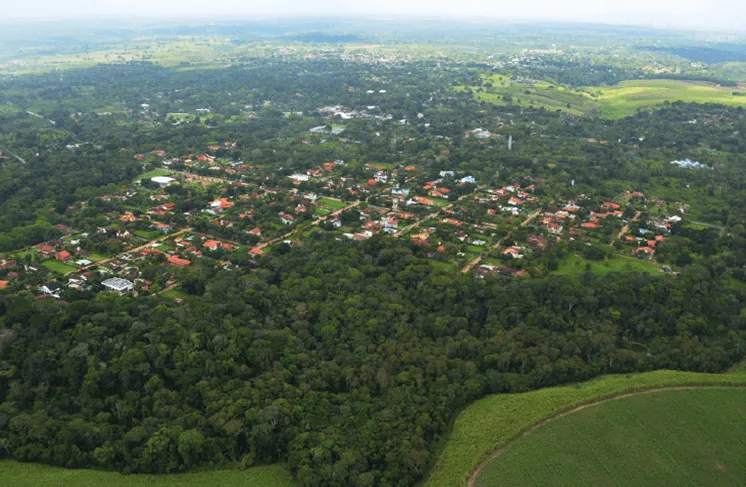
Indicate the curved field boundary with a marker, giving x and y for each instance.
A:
(494, 421)
(499, 451)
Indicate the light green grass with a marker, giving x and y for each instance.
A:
(539, 95)
(174, 293)
(24, 253)
(148, 234)
(629, 96)
(574, 266)
(94, 257)
(492, 422)
(17, 474)
(58, 266)
(334, 204)
(154, 173)
(673, 437)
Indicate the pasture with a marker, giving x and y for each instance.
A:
(17, 474)
(500, 90)
(672, 437)
(629, 96)
(490, 423)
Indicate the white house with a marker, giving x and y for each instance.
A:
(162, 181)
(118, 284)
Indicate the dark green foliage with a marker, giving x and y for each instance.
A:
(346, 360)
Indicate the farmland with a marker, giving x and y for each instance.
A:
(629, 96)
(613, 102)
(674, 437)
(492, 422)
(32, 474)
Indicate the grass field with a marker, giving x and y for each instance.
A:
(174, 293)
(154, 173)
(60, 267)
(629, 96)
(675, 437)
(492, 422)
(533, 94)
(19, 474)
(574, 266)
(148, 234)
(333, 204)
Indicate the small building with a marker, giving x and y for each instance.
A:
(117, 284)
(63, 256)
(162, 181)
(178, 261)
(52, 288)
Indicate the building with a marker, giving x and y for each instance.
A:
(63, 256)
(51, 288)
(162, 181)
(178, 261)
(118, 284)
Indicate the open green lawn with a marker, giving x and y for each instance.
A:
(148, 234)
(24, 253)
(154, 173)
(666, 438)
(17, 474)
(628, 96)
(94, 257)
(492, 422)
(174, 293)
(60, 267)
(574, 266)
(334, 204)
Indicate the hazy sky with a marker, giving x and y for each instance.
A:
(708, 14)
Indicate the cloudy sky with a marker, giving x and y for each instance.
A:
(703, 14)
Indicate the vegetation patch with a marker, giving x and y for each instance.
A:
(573, 265)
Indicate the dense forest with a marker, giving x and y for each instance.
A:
(346, 360)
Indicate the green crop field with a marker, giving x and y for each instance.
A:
(60, 267)
(17, 474)
(665, 438)
(629, 96)
(494, 421)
